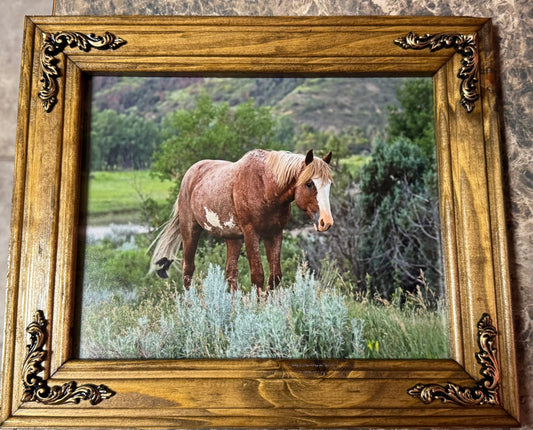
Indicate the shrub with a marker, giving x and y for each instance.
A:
(399, 230)
(300, 321)
(117, 265)
(307, 319)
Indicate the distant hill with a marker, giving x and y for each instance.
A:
(327, 104)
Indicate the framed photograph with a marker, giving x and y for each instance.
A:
(330, 287)
(157, 275)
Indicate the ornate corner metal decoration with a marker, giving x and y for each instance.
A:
(54, 44)
(36, 389)
(486, 391)
(466, 45)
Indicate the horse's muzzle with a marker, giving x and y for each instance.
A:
(322, 222)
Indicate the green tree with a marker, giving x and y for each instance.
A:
(120, 141)
(356, 140)
(413, 119)
(391, 165)
(212, 131)
(399, 219)
(399, 222)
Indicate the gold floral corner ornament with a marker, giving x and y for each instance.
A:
(36, 389)
(54, 44)
(486, 391)
(466, 45)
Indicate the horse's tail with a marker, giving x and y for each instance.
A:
(167, 243)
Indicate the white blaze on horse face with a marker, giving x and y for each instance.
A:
(322, 195)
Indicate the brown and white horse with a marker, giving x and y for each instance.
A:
(247, 200)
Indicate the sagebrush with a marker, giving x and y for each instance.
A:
(306, 319)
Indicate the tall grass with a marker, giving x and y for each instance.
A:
(306, 319)
(403, 330)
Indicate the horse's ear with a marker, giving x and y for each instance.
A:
(327, 158)
(309, 157)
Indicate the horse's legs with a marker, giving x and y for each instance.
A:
(190, 238)
(251, 243)
(273, 252)
(233, 247)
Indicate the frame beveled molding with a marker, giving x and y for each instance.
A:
(54, 44)
(256, 393)
(464, 44)
(36, 389)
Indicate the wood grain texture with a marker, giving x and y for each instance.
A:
(492, 134)
(258, 393)
(443, 132)
(17, 214)
(69, 197)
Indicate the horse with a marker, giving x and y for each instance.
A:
(248, 200)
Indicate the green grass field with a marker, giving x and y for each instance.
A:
(116, 197)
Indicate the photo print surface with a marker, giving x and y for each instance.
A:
(275, 248)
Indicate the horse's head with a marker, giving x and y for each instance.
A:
(312, 190)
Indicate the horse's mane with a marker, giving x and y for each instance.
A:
(288, 167)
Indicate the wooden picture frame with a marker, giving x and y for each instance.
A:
(43, 386)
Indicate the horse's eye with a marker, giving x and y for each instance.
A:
(309, 184)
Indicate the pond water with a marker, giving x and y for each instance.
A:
(95, 233)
